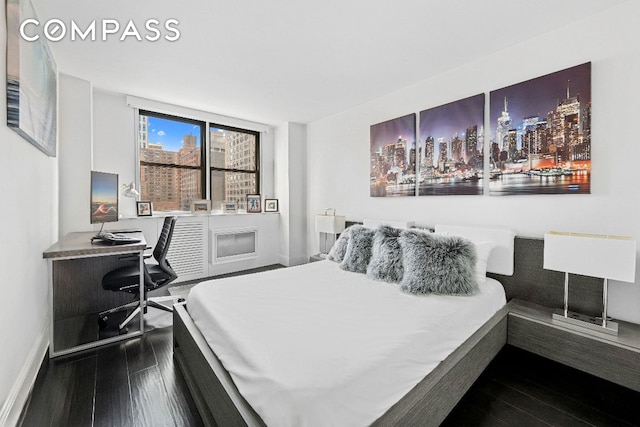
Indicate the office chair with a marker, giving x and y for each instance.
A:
(126, 279)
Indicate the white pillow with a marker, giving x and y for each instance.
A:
(483, 250)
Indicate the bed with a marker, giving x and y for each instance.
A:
(341, 340)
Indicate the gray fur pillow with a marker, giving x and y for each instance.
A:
(339, 248)
(358, 252)
(386, 256)
(437, 264)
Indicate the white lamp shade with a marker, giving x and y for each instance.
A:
(331, 224)
(594, 255)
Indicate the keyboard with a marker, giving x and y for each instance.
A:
(117, 238)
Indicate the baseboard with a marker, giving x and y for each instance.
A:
(284, 260)
(19, 393)
(292, 260)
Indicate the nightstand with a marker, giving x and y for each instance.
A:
(317, 257)
(614, 358)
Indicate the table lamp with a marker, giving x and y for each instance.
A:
(129, 190)
(328, 225)
(594, 255)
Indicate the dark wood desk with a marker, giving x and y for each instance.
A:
(76, 267)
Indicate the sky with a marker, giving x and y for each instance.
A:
(389, 131)
(447, 120)
(170, 133)
(538, 96)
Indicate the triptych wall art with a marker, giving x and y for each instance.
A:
(538, 142)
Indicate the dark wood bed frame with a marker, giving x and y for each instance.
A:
(431, 400)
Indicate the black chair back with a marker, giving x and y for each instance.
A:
(161, 249)
(164, 240)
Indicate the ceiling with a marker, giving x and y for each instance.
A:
(294, 60)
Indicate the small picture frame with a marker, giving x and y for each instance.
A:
(144, 209)
(253, 203)
(201, 207)
(229, 207)
(271, 205)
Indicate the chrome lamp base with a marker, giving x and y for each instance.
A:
(584, 323)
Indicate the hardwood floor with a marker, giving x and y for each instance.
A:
(135, 383)
(522, 389)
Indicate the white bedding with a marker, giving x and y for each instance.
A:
(314, 345)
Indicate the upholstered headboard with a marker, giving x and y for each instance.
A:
(373, 223)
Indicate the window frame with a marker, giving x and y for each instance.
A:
(206, 169)
(203, 147)
(234, 170)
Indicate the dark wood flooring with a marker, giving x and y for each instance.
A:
(522, 389)
(135, 383)
(132, 383)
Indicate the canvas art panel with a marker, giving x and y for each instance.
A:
(450, 151)
(393, 157)
(31, 83)
(541, 135)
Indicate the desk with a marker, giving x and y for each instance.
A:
(76, 266)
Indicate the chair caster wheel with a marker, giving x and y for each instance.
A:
(102, 321)
(123, 331)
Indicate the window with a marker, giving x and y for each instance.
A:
(234, 165)
(174, 156)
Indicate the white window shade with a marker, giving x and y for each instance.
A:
(594, 255)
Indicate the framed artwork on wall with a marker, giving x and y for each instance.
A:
(541, 135)
(253, 203)
(450, 149)
(393, 157)
(31, 82)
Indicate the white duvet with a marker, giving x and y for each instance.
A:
(314, 345)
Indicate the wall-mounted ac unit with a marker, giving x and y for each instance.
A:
(234, 244)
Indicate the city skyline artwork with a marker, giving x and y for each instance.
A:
(451, 148)
(540, 135)
(393, 157)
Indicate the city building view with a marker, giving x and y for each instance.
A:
(233, 166)
(170, 172)
(171, 164)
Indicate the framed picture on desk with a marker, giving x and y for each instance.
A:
(253, 203)
(144, 209)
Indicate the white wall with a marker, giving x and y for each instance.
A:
(75, 152)
(28, 188)
(290, 185)
(338, 146)
(114, 133)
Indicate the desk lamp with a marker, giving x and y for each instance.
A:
(329, 224)
(594, 255)
(129, 190)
